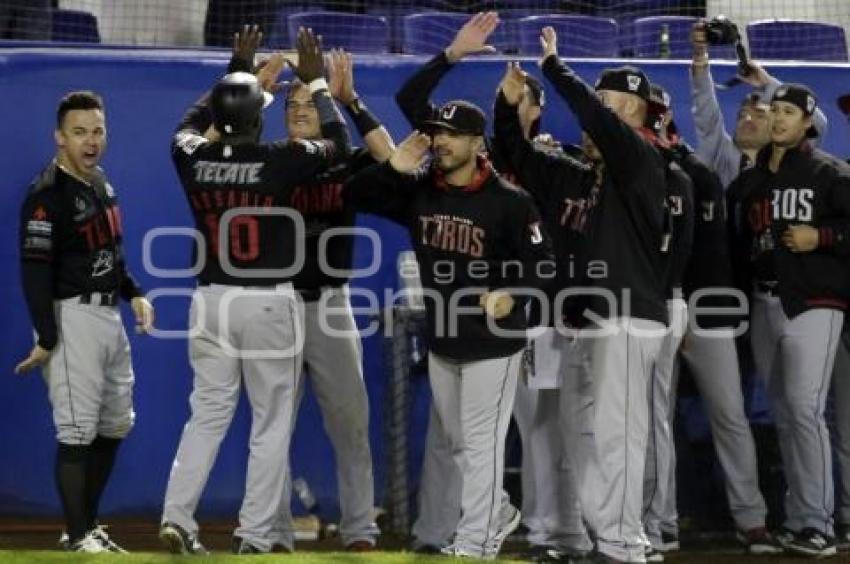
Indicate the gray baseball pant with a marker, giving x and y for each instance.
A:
(660, 454)
(473, 401)
(546, 418)
(334, 363)
(796, 356)
(88, 375)
(616, 371)
(252, 335)
(841, 398)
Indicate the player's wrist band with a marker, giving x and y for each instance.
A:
(362, 117)
(317, 85)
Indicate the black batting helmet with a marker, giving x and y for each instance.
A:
(237, 103)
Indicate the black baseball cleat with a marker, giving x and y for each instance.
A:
(669, 542)
(842, 537)
(426, 549)
(811, 542)
(759, 541)
(179, 541)
(238, 545)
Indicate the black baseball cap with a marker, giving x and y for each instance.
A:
(460, 116)
(801, 96)
(628, 79)
(659, 99)
(660, 103)
(844, 104)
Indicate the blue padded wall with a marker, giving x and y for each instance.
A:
(146, 92)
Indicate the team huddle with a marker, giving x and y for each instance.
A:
(563, 285)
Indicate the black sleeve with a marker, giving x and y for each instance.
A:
(40, 220)
(622, 148)
(834, 233)
(332, 125)
(198, 118)
(739, 237)
(414, 96)
(189, 135)
(541, 172)
(380, 190)
(129, 287)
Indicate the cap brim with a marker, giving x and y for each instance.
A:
(268, 98)
(438, 124)
(844, 103)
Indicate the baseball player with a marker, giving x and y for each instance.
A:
(73, 274)
(841, 391)
(466, 224)
(724, 154)
(680, 203)
(548, 477)
(791, 214)
(245, 314)
(333, 359)
(710, 353)
(626, 308)
(566, 190)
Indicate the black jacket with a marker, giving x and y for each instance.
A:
(710, 266)
(628, 231)
(218, 177)
(467, 240)
(680, 211)
(70, 243)
(320, 201)
(812, 188)
(566, 191)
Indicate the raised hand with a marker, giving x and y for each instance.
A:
(246, 42)
(549, 43)
(411, 153)
(699, 41)
(341, 79)
(472, 37)
(310, 62)
(268, 72)
(513, 83)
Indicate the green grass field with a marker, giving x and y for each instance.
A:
(27, 556)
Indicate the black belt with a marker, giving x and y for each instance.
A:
(314, 294)
(310, 294)
(769, 288)
(100, 298)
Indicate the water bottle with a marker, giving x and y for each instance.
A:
(664, 42)
(408, 272)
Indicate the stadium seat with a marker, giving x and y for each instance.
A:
(358, 33)
(796, 40)
(430, 32)
(74, 25)
(647, 36)
(278, 36)
(625, 12)
(578, 36)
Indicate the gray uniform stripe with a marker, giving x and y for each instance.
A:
(496, 480)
